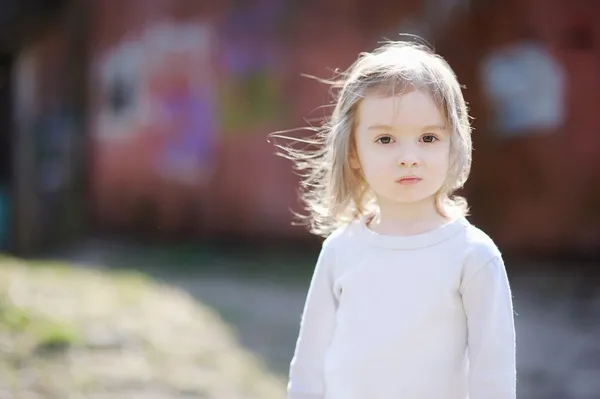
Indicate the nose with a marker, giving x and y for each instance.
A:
(408, 159)
(407, 163)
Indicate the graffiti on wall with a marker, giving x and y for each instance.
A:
(158, 94)
(253, 65)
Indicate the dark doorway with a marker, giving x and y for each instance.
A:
(6, 150)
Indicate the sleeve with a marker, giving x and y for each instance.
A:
(306, 377)
(487, 301)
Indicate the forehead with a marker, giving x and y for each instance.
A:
(410, 109)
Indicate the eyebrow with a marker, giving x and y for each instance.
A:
(388, 127)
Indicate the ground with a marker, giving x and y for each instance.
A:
(72, 333)
(557, 350)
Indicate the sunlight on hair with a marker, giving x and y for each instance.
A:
(333, 193)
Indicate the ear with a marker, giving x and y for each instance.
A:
(354, 162)
(353, 156)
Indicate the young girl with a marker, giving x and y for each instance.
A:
(408, 300)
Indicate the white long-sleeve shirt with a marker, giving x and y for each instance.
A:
(427, 316)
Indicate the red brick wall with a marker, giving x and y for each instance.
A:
(569, 219)
(252, 190)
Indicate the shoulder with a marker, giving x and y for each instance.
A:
(344, 235)
(480, 253)
(342, 244)
(479, 246)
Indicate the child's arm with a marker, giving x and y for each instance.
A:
(488, 305)
(316, 328)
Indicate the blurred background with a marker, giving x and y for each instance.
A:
(146, 221)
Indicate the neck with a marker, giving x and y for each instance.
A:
(407, 218)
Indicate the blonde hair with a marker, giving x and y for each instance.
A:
(336, 194)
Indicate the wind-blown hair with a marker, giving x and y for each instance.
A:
(333, 192)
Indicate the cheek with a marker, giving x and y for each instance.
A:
(373, 162)
(361, 158)
(440, 160)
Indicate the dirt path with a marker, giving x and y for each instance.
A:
(265, 314)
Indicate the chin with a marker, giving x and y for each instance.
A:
(409, 199)
(415, 200)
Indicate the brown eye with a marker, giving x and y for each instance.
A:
(429, 138)
(384, 140)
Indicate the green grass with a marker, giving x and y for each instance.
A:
(46, 334)
(73, 332)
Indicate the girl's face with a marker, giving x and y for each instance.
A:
(402, 146)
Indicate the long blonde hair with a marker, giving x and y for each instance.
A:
(336, 194)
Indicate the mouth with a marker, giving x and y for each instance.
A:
(408, 180)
